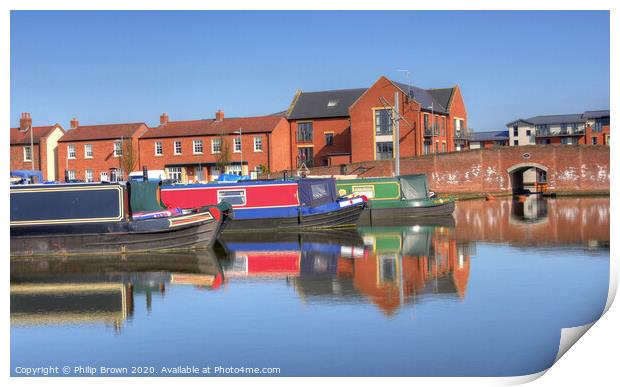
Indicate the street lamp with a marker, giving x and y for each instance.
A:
(432, 107)
(240, 148)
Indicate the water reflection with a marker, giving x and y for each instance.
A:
(100, 289)
(389, 266)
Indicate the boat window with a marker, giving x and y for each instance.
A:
(319, 191)
(234, 197)
(366, 190)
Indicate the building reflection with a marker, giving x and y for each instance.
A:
(535, 221)
(388, 266)
(101, 289)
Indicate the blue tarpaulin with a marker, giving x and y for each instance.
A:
(232, 177)
(315, 192)
(32, 176)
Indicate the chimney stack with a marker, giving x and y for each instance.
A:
(219, 115)
(74, 123)
(25, 122)
(163, 119)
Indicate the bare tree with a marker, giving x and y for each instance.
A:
(224, 157)
(129, 157)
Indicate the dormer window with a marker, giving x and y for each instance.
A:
(333, 102)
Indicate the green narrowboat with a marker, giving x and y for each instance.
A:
(396, 199)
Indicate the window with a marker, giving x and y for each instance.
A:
(197, 147)
(71, 174)
(528, 132)
(89, 176)
(569, 140)
(385, 150)
(216, 145)
(234, 169)
(427, 147)
(177, 147)
(304, 132)
(88, 151)
(333, 103)
(329, 139)
(383, 122)
(116, 175)
(426, 126)
(27, 153)
(444, 147)
(118, 149)
(258, 144)
(234, 197)
(159, 150)
(237, 145)
(515, 131)
(175, 173)
(103, 176)
(515, 142)
(594, 140)
(71, 151)
(305, 156)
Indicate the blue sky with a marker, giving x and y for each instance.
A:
(107, 67)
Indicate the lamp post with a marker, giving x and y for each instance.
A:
(432, 107)
(239, 132)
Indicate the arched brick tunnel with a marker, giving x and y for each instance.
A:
(574, 168)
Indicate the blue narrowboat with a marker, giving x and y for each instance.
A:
(106, 218)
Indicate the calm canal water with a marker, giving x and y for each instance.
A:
(483, 294)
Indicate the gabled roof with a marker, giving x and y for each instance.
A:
(495, 135)
(101, 132)
(19, 137)
(324, 104)
(205, 127)
(596, 114)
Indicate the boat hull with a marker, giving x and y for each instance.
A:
(344, 217)
(199, 235)
(403, 213)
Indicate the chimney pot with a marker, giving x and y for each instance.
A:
(25, 122)
(163, 119)
(219, 115)
(74, 123)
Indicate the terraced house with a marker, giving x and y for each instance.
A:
(105, 152)
(201, 150)
(342, 126)
(35, 147)
(590, 127)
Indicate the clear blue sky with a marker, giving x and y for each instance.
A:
(107, 67)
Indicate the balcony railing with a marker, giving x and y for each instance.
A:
(561, 132)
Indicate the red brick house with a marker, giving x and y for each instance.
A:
(41, 154)
(343, 126)
(200, 150)
(99, 152)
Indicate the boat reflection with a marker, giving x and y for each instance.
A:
(535, 221)
(101, 289)
(389, 266)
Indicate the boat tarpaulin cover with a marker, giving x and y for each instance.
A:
(145, 196)
(315, 192)
(414, 186)
(26, 174)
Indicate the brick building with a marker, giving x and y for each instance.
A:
(41, 154)
(490, 139)
(99, 152)
(591, 127)
(342, 126)
(200, 150)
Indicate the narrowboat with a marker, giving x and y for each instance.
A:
(273, 204)
(65, 219)
(400, 198)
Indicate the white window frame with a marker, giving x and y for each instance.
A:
(27, 150)
(180, 148)
(103, 176)
(71, 174)
(116, 175)
(88, 151)
(242, 195)
(213, 141)
(234, 169)
(159, 148)
(258, 140)
(235, 140)
(197, 143)
(71, 150)
(173, 171)
(88, 177)
(118, 149)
